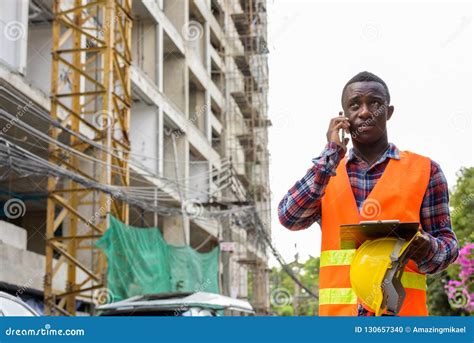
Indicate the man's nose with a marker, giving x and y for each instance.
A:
(365, 112)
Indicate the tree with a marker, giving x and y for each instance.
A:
(462, 201)
(310, 278)
(283, 288)
(462, 219)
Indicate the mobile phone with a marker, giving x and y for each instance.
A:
(342, 134)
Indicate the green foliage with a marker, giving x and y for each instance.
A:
(462, 202)
(462, 219)
(286, 311)
(285, 297)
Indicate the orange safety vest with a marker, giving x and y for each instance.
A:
(398, 194)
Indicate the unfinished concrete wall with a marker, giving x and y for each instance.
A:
(176, 12)
(174, 81)
(38, 67)
(197, 39)
(143, 135)
(176, 230)
(14, 26)
(144, 45)
(32, 266)
(198, 179)
(197, 107)
(13, 235)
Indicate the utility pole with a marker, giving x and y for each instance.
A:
(296, 294)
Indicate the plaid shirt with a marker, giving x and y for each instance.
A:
(301, 206)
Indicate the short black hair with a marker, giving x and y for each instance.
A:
(365, 76)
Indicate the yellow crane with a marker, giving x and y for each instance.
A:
(90, 95)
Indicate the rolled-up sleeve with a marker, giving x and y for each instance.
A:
(301, 205)
(436, 221)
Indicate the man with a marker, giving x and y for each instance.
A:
(375, 181)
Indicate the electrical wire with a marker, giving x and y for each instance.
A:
(47, 139)
(21, 160)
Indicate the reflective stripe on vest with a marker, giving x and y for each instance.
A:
(414, 280)
(336, 257)
(329, 296)
(346, 296)
(344, 257)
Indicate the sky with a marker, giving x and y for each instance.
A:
(423, 51)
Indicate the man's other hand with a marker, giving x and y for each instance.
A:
(419, 248)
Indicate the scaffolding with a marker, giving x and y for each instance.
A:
(247, 82)
(91, 96)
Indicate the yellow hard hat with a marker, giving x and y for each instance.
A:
(376, 272)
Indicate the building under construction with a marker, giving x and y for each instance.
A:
(151, 111)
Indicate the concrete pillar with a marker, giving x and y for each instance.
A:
(175, 231)
(159, 57)
(150, 42)
(176, 11)
(160, 142)
(198, 109)
(207, 50)
(176, 228)
(176, 80)
(144, 122)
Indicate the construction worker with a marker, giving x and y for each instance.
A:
(375, 181)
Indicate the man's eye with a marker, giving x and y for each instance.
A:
(354, 106)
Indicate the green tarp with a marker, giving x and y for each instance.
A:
(141, 262)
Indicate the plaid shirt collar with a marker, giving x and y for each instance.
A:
(391, 152)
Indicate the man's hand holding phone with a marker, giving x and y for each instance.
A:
(335, 125)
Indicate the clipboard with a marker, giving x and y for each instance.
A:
(353, 235)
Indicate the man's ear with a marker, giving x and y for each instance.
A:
(390, 112)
